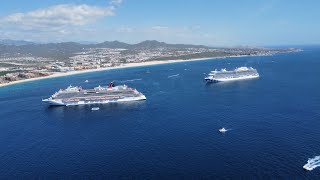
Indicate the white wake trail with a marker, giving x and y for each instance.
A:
(312, 163)
(129, 80)
(173, 76)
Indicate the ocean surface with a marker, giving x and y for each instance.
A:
(274, 122)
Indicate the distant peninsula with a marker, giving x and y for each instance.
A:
(24, 61)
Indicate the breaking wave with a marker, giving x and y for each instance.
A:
(312, 163)
(173, 76)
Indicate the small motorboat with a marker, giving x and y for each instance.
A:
(223, 130)
(86, 81)
(95, 108)
(312, 163)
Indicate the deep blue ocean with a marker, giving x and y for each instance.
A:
(274, 122)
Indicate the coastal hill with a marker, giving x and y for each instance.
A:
(157, 44)
(67, 49)
(20, 60)
(15, 42)
(105, 44)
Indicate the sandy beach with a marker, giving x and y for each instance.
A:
(128, 65)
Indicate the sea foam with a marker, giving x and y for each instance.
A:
(312, 163)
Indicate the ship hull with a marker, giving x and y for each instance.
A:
(216, 80)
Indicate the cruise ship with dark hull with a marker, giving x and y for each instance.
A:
(74, 95)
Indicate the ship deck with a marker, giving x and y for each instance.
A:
(92, 93)
(234, 74)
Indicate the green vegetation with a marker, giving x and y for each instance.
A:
(123, 60)
(63, 51)
(7, 65)
(2, 73)
(194, 56)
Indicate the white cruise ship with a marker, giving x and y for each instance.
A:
(240, 73)
(98, 95)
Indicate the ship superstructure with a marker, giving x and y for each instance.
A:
(240, 73)
(75, 95)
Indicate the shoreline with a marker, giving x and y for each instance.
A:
(128, 65)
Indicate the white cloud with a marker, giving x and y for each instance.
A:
(125, 30)
(116, 2)
(55, 23)
(57, 16)
(160, 28)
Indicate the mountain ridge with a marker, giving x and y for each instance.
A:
(105, 44)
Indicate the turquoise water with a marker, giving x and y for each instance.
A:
(274, 122)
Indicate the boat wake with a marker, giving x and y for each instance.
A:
(173, 75)
(312, 163)
(130, 80)
(223, 130)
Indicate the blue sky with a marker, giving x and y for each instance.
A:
(208, 22)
